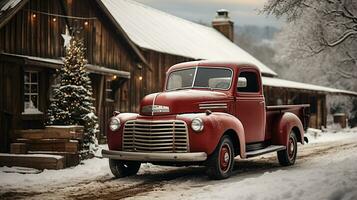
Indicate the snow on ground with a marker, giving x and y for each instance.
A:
(327, 176)
(92, 169)
(89, 169)
(331, 176)
(335, 134)
(324, 178)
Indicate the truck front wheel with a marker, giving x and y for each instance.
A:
(287, 157)
(221, 162)
(123, 168)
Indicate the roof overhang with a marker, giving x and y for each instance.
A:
(57, 63)
(293, 85)
(8, 14)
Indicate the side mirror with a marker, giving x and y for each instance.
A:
(242, 82)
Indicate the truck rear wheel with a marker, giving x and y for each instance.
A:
(123, 168)
(287, 157)
(221, 162)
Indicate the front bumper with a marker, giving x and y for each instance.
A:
(154, 157)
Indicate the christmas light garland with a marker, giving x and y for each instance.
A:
(60, 16)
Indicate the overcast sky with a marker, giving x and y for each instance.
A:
(243, 12)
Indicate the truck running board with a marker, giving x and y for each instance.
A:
(268, 149)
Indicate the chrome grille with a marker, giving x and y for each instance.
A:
(155, 136)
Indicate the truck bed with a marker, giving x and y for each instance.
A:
(274, 112)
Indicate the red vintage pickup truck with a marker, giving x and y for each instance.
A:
(208, 114)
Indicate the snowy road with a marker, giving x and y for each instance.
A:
(324, 170)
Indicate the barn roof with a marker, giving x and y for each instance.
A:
(153, 29)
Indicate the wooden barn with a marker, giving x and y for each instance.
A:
(129, 46)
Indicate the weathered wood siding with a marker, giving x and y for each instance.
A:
(40, 36)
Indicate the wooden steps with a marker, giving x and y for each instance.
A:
(52, 132)
(57, 145)
(38, 161)
(54, 147)
(18, 148)
(70, 158)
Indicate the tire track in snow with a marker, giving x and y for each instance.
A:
(110, 188)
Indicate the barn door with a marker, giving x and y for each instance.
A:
(5, 116)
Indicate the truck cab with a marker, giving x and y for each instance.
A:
(209, 113)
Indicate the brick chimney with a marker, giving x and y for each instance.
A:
(223, 23)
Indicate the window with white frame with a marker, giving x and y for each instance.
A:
(31, 92)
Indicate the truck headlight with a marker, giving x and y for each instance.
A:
(197, 124)
(114, 124)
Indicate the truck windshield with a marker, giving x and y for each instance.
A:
(200, 77)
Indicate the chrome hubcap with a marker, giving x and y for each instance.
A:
(226, 157)
(291, 148)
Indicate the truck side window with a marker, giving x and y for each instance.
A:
(252, 82)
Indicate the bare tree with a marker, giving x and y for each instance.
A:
(320, 39)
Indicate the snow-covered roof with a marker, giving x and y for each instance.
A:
(153, 29)
(276, 82)
(8, 4)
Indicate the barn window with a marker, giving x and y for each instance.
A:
(109, 93)
(31, 92)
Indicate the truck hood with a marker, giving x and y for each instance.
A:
(183, 101)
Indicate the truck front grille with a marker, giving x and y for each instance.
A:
(155, 136)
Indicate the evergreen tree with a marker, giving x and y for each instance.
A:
(72, 102)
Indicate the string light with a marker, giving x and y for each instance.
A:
(140, 78)
(61, 16)
(86, 23)
(54, 19)
(34, 15)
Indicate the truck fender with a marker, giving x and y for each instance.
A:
(287, 122)
(228, 124)
(114, 138)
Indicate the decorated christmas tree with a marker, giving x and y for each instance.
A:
(72, 102)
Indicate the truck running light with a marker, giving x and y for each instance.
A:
(114, 124)
(197, 125)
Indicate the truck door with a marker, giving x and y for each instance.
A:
(250, 105)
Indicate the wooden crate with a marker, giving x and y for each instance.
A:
(70, 159)
(37, 161)
(69, 132)
(52, 132)
(18, 148)
(341, 119)
(56, 145)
